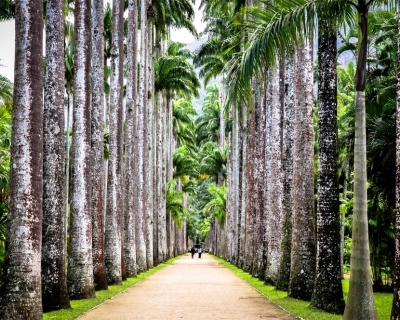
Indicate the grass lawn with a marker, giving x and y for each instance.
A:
(79, 307)
(301, 308)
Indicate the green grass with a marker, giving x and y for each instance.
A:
(79, 307)
(301, 308)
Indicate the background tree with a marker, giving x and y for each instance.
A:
(24, 220)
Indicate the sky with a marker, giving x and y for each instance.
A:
(7, 40)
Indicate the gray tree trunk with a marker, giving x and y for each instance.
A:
(54, 238)
(328, 292)
(113, 231)
(80, 261)
(274, 225)
(302, 271)
(395, 315)
(282, 282)
(149, 151)
(129, 164)
(21, 283)
(97, 138)
(140, 147)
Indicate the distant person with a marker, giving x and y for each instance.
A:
(192, 251)
(199, 251)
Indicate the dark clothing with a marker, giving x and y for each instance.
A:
(192, 252)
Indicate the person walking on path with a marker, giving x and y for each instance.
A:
(192, 252)
(199, 251)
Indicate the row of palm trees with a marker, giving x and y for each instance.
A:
(118, 223)
(264, 50)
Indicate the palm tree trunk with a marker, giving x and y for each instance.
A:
(149, 151)
(274, 227)
(261, 213)
(328, 293)
(302, 271)
(113, 236)
(21, 283)
(282, 281)
(80, 261)
(250, 194)
(395, 315)
(140, 175)
(97, 139)
(360, 301)
(243, 184)
(54, 238)
(129, 164)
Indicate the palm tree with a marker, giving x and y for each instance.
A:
(80, 261)
(21, 269)
(328, 270)
(7, 10)
(113, 227)
(6, 91)
(97, 146)
(54, 238)
(140, 145)
(395, 315)
(131, 96)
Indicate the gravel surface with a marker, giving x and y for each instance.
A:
(189, 289)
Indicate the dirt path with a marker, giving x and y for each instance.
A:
(189, 289)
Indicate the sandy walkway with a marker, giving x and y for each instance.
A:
(189, 289)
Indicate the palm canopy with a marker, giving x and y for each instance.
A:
(214, 160)
(183, 122)
(208, 124)
(185, 164)
(173, 13)
(6, 91)
(7, 10)
(174, 74)
(217, 205)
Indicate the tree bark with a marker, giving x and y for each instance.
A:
(302, 271)
(140, 176)
(80, 263)
(21, 281)
(360, 302)
(54, 238)
(97, 139)
(129, 164)
(395, 315)
(275, 178)
(282, 282)
(328, 292)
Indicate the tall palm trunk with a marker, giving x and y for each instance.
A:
(113, 235)
(360, 301)
(250, 196)
(243, 184)
(282, 282)
(275, 178)
(302, 271)
(140, 174)
(396, 294)
(328, 293)
(80, 262)
(54, 239)
(97, 138)
(261, 212)
(131, 93)
(149, 151)
(21, 282)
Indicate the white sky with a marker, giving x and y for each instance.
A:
(7, 40)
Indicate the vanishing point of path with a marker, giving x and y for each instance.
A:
(189, 289)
